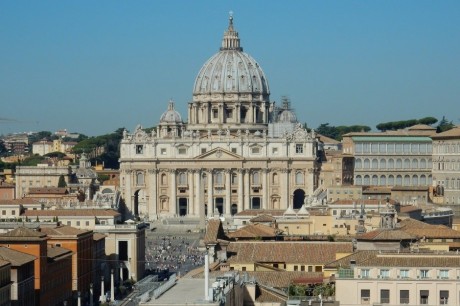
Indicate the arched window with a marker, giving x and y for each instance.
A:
(358, 163)
(391, 163)
(367, 163)
(359, 180)
(383, 180)
(399, 180)
(139, 178)
(275, 179)
(414, 180)
(375, 180)
(164, 180)
(391, 180)
(430, 180)
(375, 164)
(366, 180)
(383, 164)
(399, 163)
(299, 178)
(414, 164)
(406, 180)
(422, 163)
(406, 163)
(422, 179)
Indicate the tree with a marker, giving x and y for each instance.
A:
(397, 125)
(61, 182)
(444, 125)
(336, 132)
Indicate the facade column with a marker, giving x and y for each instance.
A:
(285, 189)
(264, 188)
(240, 190)
(247, 189)
(128, 189)
(198, 209)
(152, 207)
(238, 113)
(251, 113)
(173, 197)
(210, 196)
(228, 192)
(191, 191)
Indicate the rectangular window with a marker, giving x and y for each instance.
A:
(296, 268)
(444, 274)
(78, 223)
(423, 273)
(255, 150)
(3, 212)
(366, 147)
(359, 148)
(424, 294)
(365, 296)
(163, 151)
(444, 297)
(364, 273)
(215, 113)
(233, 150)
(299, 148)
(87, 223)
(139, 149)
(384, 273)
(203, 150)
(230, 113)
(404, 273)
(384, 296)
(275, 151)
(182, 151)
(403, 296)
(13, 212)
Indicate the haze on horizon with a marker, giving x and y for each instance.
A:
(92, 67)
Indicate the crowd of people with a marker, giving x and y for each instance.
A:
(173, 254)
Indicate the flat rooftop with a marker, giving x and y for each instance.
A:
(187, 291)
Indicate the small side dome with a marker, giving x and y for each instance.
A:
(287, 116)
(171, 115)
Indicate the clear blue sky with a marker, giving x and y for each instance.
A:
(95, 66)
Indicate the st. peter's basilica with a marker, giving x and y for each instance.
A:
(237, 151)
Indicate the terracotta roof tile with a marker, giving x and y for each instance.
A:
(55, 252)
(48, 190)
(19, 202)
(289, 252)
(23, 232)
(254, 231)
(214, 231)
(16, 258)
(262, 218)
(413, 260)
(386, 235)
(72, 212)
(63, 230)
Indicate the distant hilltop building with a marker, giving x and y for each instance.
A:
(237, 151)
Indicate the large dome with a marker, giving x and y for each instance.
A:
(231, 70)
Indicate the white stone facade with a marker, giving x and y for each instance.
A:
(225, 159)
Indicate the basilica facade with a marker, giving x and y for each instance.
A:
(238, 150)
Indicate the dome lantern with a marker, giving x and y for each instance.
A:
(231, 41)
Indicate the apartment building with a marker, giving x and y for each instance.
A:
(392, 158)
(394, 278)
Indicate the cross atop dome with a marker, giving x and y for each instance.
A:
(231, 41)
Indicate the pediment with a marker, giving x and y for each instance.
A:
(219, 153)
